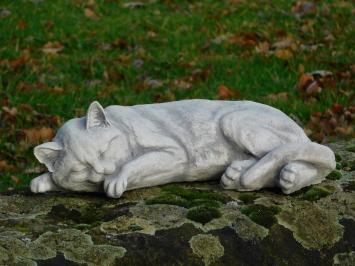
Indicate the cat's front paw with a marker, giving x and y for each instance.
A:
(114, 187)
(43, 183)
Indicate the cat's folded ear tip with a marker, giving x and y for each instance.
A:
(95, 104)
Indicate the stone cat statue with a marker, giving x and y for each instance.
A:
(247, 145)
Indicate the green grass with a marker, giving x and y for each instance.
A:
(175, 40)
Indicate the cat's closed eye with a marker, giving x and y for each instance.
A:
(80, 168)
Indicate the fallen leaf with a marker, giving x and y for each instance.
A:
(284, 54)
(311, 84)
(15, 179)
(302, 8)
(89, 13)
(56, 90)
(334, 121)
(247, 39)
(225, 93)
(133, 4)
(284, 43)
(52, 48)
(21, 61)
(262, 48)
(10, 111)
(6, 167)
(35, 136)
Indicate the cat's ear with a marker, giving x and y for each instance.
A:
(47, 153)
(96, 116)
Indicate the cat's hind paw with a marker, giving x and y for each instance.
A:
(296, 175)
(114, 187)
(232, 175)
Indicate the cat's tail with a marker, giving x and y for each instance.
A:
(269, 166)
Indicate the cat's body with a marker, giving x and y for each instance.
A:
(122, 148)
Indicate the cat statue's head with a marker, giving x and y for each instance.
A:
(82, 153)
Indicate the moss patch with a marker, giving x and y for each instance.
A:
(335, 175)
(338, 157)
(85, 215)
(203, 205)
(350, 186)
(350, 165)
(203, 214)
(261, 214)
(169, 199)
(315, 193)
(193, 194)
(248, 197)
(351, 148)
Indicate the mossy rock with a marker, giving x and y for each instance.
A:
(261, 214)
(171, 199)
(351, 148)
(167, 198)
(192, 193)
(335, 175)
(349, 187)
(247, 197)
(315, 193)
(203, 214)
(338, 158)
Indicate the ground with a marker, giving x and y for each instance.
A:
(56, 57)
(185, 224)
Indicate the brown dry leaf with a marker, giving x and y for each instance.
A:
(52, 48)
(311, 84)
(21, 61)
(335, 121)
(10, 111)
(91, 3)
(16, 180)
(89, 13)
(6, 167)
(56, 90)
(281, 96)
(151, 34)
(262, 48)
(247, 39)
(284, 54)
(37, 135)
(225, 93)
(302, 8)
(286, 43)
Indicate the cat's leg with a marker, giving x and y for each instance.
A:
(150, 169)
(231, 177)
(298, 174)
(43, 183)
(266, 172)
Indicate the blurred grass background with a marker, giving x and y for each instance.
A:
(58, 56)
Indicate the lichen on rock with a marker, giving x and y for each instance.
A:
(312, 226)
(207, 247)
(75, 245)
(344, 259)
